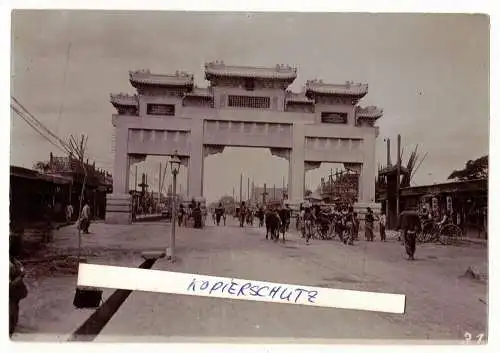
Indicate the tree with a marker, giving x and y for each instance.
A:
(308, 193)
(78, 148)
(474, 169)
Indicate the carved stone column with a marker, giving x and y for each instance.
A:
(195, 170)
(119, 203)
(296, 166)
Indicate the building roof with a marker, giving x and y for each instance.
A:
(298, 97)
(370, 112)
(279, 72)
(448, 187)
(124, 99)
(348, 88)
(145, 77)
(26, 173)
(393, 170)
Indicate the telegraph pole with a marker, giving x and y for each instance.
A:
(248, 189)
(159, 190)
(398, 176)
(241, 187)
(135, 187)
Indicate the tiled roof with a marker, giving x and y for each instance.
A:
(280, 72)
(349, 88)
(145, 77)
(369, 112)
(297, 97)
(123, 99)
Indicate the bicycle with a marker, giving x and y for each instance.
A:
(445, 234)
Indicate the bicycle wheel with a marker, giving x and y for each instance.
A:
(449, 234)
(422, 237)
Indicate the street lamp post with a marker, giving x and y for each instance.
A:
(175, 163)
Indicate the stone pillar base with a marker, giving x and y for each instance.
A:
(118, 209)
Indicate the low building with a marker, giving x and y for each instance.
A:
(467, 200)
(34, 196)
(98, 182)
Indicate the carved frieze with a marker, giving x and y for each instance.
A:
(281, 152)
(311, 165)
(212, 149)
(353, 167)
(136, 158)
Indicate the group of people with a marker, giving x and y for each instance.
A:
(344, 219)
(192, 212)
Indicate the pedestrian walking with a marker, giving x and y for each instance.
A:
(382, 223)
(369, 219)
(409, 224)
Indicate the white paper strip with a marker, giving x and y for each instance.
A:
(231, 288)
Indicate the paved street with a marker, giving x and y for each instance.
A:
(440, 304)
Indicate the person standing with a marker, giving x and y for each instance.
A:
(218, 213)
(197, 216)
(409, 224)
(69, 212)
(382, 223)
(181, 215)
(309, 220)
(85, 218)
(350, 225)
(243, 212)
(369, 219)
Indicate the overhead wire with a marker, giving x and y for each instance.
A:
(41, 125)
(35, 128)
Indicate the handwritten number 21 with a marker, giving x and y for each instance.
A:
(468, 337)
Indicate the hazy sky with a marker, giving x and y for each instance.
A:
(430, 74)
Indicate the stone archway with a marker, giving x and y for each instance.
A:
(169, 113)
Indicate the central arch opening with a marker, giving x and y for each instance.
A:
(252, 168)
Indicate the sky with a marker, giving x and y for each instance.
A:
(429, 72)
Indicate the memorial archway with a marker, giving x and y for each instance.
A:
(246, 107)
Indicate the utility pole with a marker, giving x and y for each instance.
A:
(135, 187)
(241, 187)
(264, 195)
(331, 184)
(159, 190)
(248, 189)
(398, 177)
(233, 195)
(274, 192)
(389, 152)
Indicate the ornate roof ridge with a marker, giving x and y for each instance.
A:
(145, 76)
(369, 112)
(347, 88)
(280, 71)
(124, 98)
(219, 64)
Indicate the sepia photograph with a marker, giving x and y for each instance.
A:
(249, 177)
